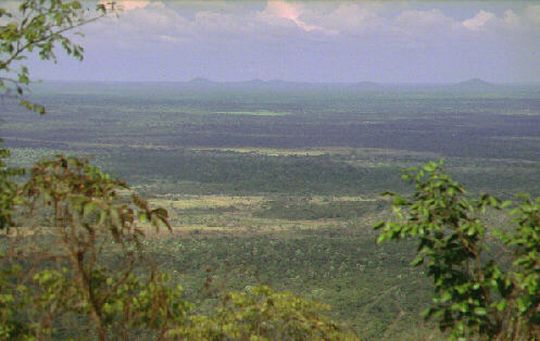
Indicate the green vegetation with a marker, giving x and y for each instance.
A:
(475, 295)
(72, 259)
(287, 201)
(369, 288)
(97, 281)
(261, 186)
(38, 27)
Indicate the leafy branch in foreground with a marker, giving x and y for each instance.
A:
(75, 267)
(38, 27)
(8, 190)
(474, 295)
(81, 262)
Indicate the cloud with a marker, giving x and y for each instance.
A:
(221, 23)
(424, 19)
(279, 18)
(143, 20)
(289, 11)
(130, 5)
(532, 12)
(352, 18)
(479, 21)
(279, 22)
(511, 18)
(313, 40)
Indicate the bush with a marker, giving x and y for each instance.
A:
(474, 294)
(82, 271)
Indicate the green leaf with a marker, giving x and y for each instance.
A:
(480, 311)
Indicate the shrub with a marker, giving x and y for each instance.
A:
(475, 295)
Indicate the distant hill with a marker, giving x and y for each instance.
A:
(475, 84)
(278, 84)
(200, 80)
(366, 86)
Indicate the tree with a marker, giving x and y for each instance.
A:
(73, 265)
(475, 294)
(39, 26)
(89, 275)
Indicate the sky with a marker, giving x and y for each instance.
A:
(309, 41)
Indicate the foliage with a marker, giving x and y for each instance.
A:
(90, 277)
(525, 274)
(38, 26)
(85, 217)
(96, 280)
(369, 288)
(259, 313)
(475, 295)
(8, 189)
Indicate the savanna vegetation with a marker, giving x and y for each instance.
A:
(250, 207)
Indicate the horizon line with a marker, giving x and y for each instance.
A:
(258, 80)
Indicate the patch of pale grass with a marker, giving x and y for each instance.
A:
(207, 201)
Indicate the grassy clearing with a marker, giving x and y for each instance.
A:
(205, 201)
(214, 214)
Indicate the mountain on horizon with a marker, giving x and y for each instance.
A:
(272, 83)
(475, 84)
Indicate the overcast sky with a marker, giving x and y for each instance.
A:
(332, 41)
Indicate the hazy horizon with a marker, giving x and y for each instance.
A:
(203, 79)
(429, 42)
